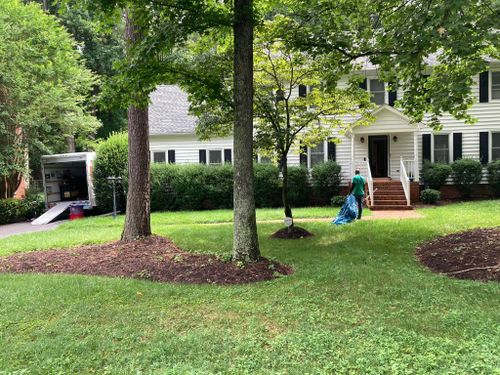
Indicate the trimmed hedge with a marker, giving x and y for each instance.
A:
(430, 196)
(15, 210)
(326, 180)
(465, 173)
(111, 160)
(298, 186)
(494, 176)
(435, 174)
(267, 185)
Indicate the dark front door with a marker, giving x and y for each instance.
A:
(378, 152)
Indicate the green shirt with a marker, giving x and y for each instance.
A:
(359, 185)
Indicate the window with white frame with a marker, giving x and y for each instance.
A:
(215, 157)
(317, 154)
(377, 89)
(159, 157)
(495, 146)
(441, 148)
(495, 85)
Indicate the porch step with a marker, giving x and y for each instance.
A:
(391, 202)
(390, 197)
(390, 208)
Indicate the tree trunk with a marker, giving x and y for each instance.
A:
(245, 240)
(70, 142)
(137, 221)
(284, 191)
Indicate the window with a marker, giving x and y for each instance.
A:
(214, 157)
(377, 89)
(441, 149)
(495, 85)
(317, 154)
(159, 157)
(265, 159)
(495, 146)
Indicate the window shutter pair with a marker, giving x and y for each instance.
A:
(302, 91)
(364, 84)
(393, 96)
(426, 147)
(203, 156)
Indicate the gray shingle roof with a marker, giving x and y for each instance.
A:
(168, 112)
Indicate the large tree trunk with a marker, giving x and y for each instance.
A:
(245, 243)
(137, 222)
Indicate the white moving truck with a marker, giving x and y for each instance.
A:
(67, 181)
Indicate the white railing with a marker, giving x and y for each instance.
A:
(369, 180)
(410, 169)
(405, 181)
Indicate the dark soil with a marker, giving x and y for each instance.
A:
(293, 234)
(472, 255)
(154, 258)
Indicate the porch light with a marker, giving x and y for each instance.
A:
(362, 139)
(395, 138)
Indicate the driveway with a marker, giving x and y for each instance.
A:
(18, 228)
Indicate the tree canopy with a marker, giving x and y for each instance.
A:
(44, 88)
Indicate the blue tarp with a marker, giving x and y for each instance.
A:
(348, 212)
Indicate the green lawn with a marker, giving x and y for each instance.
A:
(358, 303)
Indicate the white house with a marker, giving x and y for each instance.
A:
(389, 152)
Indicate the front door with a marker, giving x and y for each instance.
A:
(378, 152)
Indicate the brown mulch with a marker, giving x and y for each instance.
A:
(292, 234)
(154, 258)
(472, 255)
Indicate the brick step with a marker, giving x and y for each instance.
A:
(397, 197)
(387, 183)
(390, 207)
(389, 192)
(391, 202)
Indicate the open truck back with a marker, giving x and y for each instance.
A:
(67, 181)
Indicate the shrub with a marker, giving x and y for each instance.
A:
(111, 160)
(267, 185)
(14, 210)
(494, 176)
(338, 200)
(163, 194)
(435, 174)
(326, 180)
(430, 196)
(298, 187)
(466, 172)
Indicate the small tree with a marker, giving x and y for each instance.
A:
(294, 105)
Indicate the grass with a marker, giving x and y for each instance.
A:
(357, 303)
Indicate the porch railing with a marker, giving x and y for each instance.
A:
(369, 180)
(410, 169)
(405, 180)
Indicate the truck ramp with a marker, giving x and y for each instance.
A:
(52, 214)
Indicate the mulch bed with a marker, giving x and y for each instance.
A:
(292, 234)
(153, 258)
(472, 255)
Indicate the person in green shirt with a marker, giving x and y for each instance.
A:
(358, 190)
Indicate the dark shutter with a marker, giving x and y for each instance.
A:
(426, 147)
(483, 147)
(203, 156)
(484, 87)
(302, 91)
(303, 155)
(363, 85)
(171, 156)
(331, 150)
(457, 146)
(227, 156)
(393, 96)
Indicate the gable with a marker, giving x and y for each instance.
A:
(387, 119)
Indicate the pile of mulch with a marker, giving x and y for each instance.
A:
(153, 258)
(472, 255)
(292, 234)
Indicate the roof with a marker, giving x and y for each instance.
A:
(169, 112)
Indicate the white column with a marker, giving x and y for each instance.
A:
(415, 151)
(352, 156)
